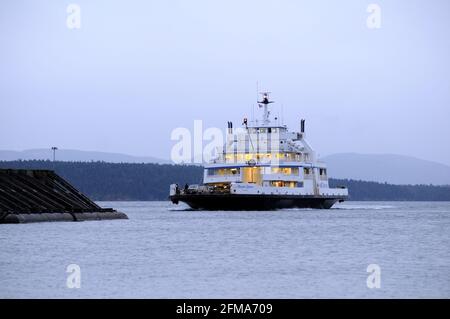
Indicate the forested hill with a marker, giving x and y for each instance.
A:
(125, 181)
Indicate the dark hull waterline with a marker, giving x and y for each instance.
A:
(254, 202)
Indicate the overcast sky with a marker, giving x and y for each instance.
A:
(138, 69)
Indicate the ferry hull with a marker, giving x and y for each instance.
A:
(254, 202)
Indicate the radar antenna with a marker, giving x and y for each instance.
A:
(265, 103)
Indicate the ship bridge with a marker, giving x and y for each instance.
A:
(265, 140)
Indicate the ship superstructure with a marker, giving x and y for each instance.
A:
(262, 166)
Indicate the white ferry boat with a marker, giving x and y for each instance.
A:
(263, 166)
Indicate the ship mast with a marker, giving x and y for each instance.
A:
(265, 103)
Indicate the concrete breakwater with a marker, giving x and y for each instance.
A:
(41, 195)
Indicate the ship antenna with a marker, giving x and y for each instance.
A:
(257, 90)
(257, 96)
(253, 113)
(248, 133)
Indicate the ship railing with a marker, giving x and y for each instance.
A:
(201, 190)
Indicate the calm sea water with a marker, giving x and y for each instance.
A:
(164, 251)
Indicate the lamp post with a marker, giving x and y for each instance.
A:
(54, 149)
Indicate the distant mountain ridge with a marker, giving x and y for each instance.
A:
(68, 155)
(390, 168)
